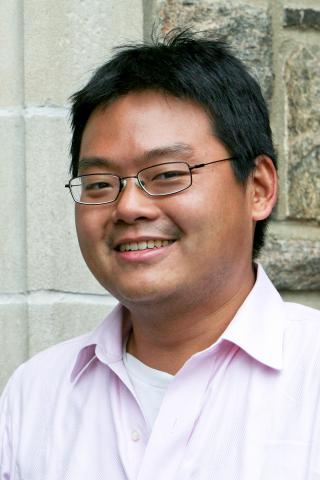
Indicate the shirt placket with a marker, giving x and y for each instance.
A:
(131, 428)
(176, 420)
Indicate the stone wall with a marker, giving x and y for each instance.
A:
(47, 51)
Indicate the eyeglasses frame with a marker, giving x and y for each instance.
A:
(123, 183)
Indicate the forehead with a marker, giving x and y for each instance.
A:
(151, 102)
(137, 109)
(140, 122)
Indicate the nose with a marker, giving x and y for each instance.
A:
(133, 204)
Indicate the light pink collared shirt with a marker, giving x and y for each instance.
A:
(247, 408)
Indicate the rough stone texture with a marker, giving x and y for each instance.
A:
(246, 27)
(292, 263)
(11, 53)
(54, 260)
(66, 40)
(302, 76)
(62, 318)
(12, 201)
(13, 337)
(303, 18)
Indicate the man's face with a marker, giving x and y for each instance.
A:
(202, 235)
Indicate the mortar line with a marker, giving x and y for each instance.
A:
(278, 111)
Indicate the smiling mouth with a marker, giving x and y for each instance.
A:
(143, 245)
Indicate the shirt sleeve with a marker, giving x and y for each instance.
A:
(5, 438)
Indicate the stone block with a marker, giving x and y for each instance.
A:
(245, 26)
(65, 41)
(11, 52)
(301, 18)
(302, 77)
(12, 200)
(58, 317)
(53, 255)
(13, 335)
(311, 299)
(292, 258)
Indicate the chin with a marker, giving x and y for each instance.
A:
(137, 294)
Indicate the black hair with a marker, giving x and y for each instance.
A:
(196, 68)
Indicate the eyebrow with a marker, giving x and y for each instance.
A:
(178, 150)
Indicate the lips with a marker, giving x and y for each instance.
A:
(143, 245)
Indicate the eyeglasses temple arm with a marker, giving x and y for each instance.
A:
(200, 165)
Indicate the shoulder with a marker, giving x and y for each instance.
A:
(47, 370)
(51, 372)
(302, 334)
(302, 317)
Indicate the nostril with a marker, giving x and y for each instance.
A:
(128, 219)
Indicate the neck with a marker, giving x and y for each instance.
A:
(175, 330)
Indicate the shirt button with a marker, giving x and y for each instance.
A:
(135, 436)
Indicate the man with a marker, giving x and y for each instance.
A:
(202, 371)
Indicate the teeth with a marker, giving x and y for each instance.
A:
(144, 244)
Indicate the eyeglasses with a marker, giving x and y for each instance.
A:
(157, 181)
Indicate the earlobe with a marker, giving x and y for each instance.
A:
(264, 188)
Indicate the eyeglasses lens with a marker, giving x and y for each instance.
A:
(99, 188)
(166, 178)
(162, 179)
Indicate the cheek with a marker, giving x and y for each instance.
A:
(89, 224)
(219, 217)
(203, 210)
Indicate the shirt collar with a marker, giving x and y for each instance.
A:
(104, 343)
(257, 328)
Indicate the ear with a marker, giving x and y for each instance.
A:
(264, 188)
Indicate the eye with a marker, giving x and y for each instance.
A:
(97, 185)
(169, 174)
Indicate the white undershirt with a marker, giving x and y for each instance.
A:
(150, 386)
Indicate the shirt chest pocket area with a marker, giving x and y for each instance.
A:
(288, 461)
